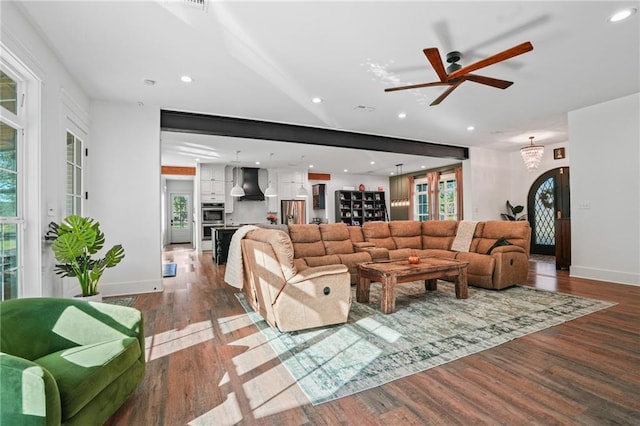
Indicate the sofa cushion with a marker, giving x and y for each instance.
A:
(480, 265)
(336, 239)
(438, 234)
(352, 261)
(82, 372)
(330, 259)
(379, 234)
(406, 233)
(517, 232)
(306, 240)
(355, 233)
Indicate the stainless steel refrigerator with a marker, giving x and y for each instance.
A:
(293, 211)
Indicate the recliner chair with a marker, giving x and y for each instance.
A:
(288, 298)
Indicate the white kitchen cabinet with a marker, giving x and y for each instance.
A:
(288, 183)
(212, 183)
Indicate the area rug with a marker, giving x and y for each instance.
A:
(120, 300)
(427, 330)
(169, 270)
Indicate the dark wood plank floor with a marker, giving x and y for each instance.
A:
(209, 365)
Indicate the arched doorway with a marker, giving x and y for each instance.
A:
(547, 201)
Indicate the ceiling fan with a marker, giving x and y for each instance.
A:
(455, 75)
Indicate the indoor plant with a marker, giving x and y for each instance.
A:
(514, 211)
(77, 239)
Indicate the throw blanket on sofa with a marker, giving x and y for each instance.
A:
(462, 241)
(233, 274)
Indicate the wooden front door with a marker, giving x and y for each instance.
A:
(548, 200)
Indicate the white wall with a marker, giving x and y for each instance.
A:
(605, 191)
(62, 104)
(522, 179)
(124, 192)
(488, 186)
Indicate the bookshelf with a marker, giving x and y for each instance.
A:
(357, 207)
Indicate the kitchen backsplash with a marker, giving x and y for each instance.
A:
(248, 212)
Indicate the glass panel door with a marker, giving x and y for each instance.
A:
(180, 219)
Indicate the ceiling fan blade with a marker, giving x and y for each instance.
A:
(433, 55)
(416, 86)
(498, 57)
(493, 82)
(446, 93)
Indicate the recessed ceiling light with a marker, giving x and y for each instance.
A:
(257, 162)
(197, 159)
(316, 100)
(392, 173)
(423, 167)
(311, 166)
(372, 162)
(470, 128)
(346, 170)
(186, 79)
(402, 115)
(622, 15)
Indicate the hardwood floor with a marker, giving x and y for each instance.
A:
(209, 365)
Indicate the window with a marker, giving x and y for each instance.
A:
(448, 197)
(436, 196)
(74, 175)
(11, 135)
(421, 204)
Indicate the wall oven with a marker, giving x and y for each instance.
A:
(212, 216)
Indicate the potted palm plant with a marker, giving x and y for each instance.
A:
(75, 243)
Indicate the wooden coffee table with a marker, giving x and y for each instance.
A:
(390, 273)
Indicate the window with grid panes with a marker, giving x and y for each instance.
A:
(11, 136)
(421, 200)
(74, 175)
(448, 197)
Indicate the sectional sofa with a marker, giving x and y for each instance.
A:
(490, 266)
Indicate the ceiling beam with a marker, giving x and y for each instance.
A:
(178, 121)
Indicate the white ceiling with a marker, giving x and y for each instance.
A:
(265, 60)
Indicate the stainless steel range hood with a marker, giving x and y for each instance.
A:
(252, 191)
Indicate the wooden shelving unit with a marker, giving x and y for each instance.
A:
(357, 207)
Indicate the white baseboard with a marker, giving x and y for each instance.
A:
(122, 288)
(618, 277)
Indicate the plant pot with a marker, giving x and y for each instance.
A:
(94, 298)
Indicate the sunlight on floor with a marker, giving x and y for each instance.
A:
(168, 342)
(225, 414)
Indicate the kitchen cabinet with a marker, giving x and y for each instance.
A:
(212, 183)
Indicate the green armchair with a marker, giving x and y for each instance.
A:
(67, 361)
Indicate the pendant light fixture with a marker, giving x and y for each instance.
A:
(532, 155)
(237, 190)
(302, 191)
(270, 191)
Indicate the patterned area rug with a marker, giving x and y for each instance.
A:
(427, 330)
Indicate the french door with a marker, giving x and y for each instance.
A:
(547, 201)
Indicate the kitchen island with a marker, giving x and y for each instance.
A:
(221, 240)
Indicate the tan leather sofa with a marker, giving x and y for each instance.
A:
(285, 296)
(327, 244)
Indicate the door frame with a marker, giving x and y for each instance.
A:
(561, 204)
(189, 216)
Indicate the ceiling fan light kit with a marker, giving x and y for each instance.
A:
(532, 155)
(454, 75)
